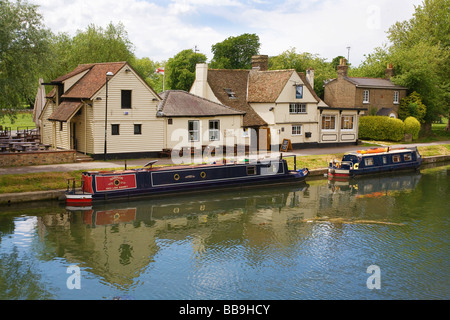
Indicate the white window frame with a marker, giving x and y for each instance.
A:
(214, 133)
(324, 120)
(296, 108)
(366, 96)
(297, 130)
(396, 97)
(194, 133)
(345, 119)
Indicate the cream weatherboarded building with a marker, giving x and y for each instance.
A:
(74, 114)
(139, 122)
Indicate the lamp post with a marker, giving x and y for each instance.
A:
(108, 76)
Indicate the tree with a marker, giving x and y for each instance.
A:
(337, 60)
(290, 59)
(412, 106)
(235, 52)
(419, 51)
(146, 68)
(180, 70)
(93, 45)
(24, 53)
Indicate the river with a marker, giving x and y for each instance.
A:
(384, 237)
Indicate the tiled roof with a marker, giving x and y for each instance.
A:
(177, 103)
(266, 86)
(92, 81)
(65, 111)
(220, 80)
(80, 68)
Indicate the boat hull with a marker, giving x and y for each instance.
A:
(108, 186)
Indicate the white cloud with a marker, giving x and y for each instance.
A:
(160, 29)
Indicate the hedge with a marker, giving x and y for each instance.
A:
(381, 128)
(412, 126)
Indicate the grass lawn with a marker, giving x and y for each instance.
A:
(23, 119)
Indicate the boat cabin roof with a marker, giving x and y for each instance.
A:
(149, 167)
(371, 154)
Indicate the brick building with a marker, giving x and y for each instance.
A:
(379, 96)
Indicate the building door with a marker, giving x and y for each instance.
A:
(73, 139)
(264, 139)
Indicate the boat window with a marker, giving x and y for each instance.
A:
(368, 161)
(407, 157)
(251, 170)
(396, 158)
(384, 160)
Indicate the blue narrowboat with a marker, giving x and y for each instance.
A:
(150, 180)
(375, 160)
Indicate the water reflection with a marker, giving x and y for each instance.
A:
(120, 240)
(279, 242)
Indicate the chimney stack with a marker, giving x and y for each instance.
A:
(260, 62)
(342, 69)
(389, 72)
(310, 76)
(201, 80)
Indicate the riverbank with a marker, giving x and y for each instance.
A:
(58, 195)
(49, 182)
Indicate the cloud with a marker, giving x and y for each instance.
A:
(160, 29)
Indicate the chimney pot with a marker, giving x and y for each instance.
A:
(342, 69)
(389, 72)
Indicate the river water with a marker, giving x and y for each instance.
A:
(384, 237)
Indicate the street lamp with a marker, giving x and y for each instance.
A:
(108, 77)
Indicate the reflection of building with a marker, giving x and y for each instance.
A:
(118, 241)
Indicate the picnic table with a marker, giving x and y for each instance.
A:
(4, 147)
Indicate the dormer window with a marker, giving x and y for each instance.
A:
(230, 93)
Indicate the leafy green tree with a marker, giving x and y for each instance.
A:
(337, 60)
(290, 59)
(146, 68)
(235, 52)
(180, 70)
(374, 64)
(412, 106)
(93, 45)
(419, 50)
(24, 53)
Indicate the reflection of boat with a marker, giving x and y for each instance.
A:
(108, 213)
(374, 160)
(106, 185)
(376, 187)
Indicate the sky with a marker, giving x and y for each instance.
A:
(161, 29)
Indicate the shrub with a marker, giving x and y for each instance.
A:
(412, 126)
(381, 128)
